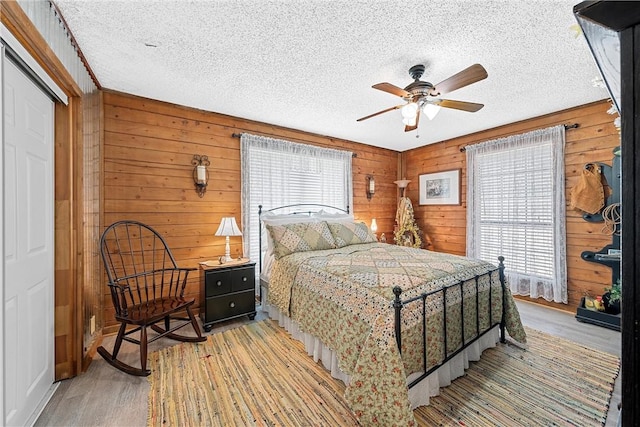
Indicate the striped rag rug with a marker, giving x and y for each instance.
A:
(257, 375)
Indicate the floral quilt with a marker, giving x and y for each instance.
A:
(344, 297)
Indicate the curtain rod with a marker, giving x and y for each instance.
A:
(238, 135)
(566, 127)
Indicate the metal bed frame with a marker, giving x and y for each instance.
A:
(398, 303)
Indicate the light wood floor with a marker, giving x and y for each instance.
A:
(104, 396)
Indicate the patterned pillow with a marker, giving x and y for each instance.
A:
(353, 233)
(300, 237)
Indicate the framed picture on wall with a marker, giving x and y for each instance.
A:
(440, 188)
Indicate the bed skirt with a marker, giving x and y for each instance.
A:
(420, 393)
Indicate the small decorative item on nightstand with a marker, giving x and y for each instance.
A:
(227, 291)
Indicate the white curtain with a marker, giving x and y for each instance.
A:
(516, 208)
(276, 172)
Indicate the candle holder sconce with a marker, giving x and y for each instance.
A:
(200, 173)
(371, 186)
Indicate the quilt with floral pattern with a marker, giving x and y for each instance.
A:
(344, 297)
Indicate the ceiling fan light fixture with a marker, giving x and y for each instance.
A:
(409, 111)
(409, 121)
(431, 110)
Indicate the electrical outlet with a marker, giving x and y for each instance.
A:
(93, 324)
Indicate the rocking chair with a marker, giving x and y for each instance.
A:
(146, 287)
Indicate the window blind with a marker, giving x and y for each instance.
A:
(516, 209)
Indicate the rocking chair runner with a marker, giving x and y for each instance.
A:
(147, 288)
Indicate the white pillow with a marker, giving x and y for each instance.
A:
(330, 217)
(277, 219)
(267, 264)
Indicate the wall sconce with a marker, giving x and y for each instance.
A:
(402, 184)
(200, 173)
(228, 227)
(371, 186)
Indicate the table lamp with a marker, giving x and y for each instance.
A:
(228, 227)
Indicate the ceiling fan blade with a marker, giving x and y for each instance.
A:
(410, 128)
(379, 112)
(469, 75)
(393, 90)
(459, 105)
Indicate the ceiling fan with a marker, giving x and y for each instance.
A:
(421, 95)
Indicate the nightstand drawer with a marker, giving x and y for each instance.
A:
(218, 282)
(242, 279)
(231, 305)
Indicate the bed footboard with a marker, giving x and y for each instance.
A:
(399, 304)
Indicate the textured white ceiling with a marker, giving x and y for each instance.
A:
(310, 65)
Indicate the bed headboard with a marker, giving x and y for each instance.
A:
(301, 209)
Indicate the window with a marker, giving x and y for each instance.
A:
(278, 173)
(516, 208)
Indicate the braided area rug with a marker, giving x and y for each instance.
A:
(257, 375)
(553, 382)
(253, 375)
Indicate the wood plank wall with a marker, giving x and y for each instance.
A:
(67, 306)
(78, 294)
(148, 147)
(88, 158)
(593, 141)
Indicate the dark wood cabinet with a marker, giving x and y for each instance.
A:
(226, 292)
(623, 18)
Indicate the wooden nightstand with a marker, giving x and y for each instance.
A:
(227, 291)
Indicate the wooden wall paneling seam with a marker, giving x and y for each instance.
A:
(189, 131)
(88, 133)
(75, 151)
(548, 120)
(236, 124)
(65, 298)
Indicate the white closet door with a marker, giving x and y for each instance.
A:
(28, 152)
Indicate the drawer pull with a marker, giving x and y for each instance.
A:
(219, 282)
(232, 304)
(244, 278)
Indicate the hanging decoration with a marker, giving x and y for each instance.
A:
(407, 232)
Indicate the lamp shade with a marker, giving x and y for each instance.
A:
(402, 183)
(228, 227)
(409, 121)
(410, 110)
(431, 110)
